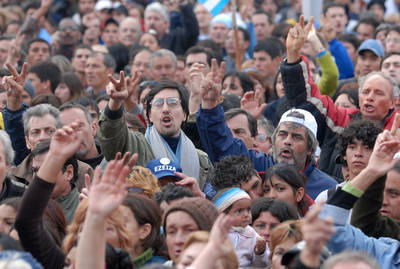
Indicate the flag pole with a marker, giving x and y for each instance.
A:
(238, 55)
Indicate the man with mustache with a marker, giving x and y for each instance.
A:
(293, 142)
(166, 108)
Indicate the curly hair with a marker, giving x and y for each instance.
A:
(364, 130)
(172, 192)
(231, 171)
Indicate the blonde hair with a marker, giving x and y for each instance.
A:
(116, 219)
(287, 230)
(230, 261)
(143, 178)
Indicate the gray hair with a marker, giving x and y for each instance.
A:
(40, 111)
(392, 81)
(312, 142)
(108, 59)
(159, 8)
(8, 149)
(163, 53)
(350, 256)
(266, 125)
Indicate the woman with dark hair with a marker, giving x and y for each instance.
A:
(283, 181)
(143, 219)
(150, 40)
(267, 213)
(8, 212)
(69, 88)
(347, 98)
(120, 54)
(237, 83)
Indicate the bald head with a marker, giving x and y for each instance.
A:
(129, 31)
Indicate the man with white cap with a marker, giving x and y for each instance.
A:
(293, 141)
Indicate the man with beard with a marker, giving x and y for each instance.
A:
(166, 108)
(89, 152)
(293, 142)
(69, 37)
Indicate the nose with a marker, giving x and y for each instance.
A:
(385, 201)
(2, 227)
(43, 136)
(179, 239)
(272, 194)
(288, 141)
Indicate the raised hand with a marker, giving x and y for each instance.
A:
(132, 85)
(66, 141)
(316, 232)
(261, 246)
(251, 103)
(211, 85)
(387, 144)
(296, 38)
(14, 86)
(117, 90)
(189, 183)
(14, 50)
(219, 233)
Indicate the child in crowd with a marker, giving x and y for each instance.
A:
(250, 248)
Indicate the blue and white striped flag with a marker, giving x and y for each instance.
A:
(214, 6)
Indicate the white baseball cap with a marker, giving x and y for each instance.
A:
(309, 121)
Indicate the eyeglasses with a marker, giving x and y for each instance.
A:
(172, 102)
(261, 138)
(394, 40)
(71, 28)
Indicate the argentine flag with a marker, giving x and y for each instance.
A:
(214, 6)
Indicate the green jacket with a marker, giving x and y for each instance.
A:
(329, 80)
(366, 214)
(114, 137)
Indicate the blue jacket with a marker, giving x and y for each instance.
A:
(14, 126)
(218, 142)
(385, 250)
(342, 59)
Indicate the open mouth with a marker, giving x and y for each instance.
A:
(166, 121)
(286, 153)
(369, 108)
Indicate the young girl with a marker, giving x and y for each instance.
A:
(250, 248)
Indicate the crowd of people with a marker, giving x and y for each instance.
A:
(167, 134)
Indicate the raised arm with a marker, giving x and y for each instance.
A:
(106, 194)
(114, 135)
(29, 223)
(12, 113)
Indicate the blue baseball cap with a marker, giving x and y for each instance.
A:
(372, 45)
(163, 167)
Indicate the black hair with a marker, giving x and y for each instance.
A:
(231, 171)
(332, 4)
(270, 46)
(352, 94)
(245, 81)
(369, 20)
(281, 30)
(168, 84)
(172, 192)
(34, 40)
(136, 49)
(251, 121)
(351, 38)
(87, 102)
(263, 12)
(46, 99)
(120, 53)
(44, 146)
(278, 208)
(197, 50)
(364, 130)
(47, 70)
(289, 174)
(117, 258)
(246, 35)
(81, 46)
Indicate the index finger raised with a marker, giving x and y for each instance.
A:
(395, 125)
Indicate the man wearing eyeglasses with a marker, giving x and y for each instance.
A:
(166, 109)
(69, 37)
